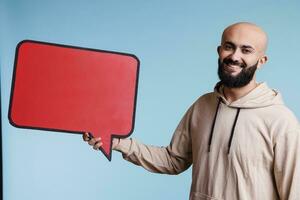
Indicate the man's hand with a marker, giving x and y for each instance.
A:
(94, 142)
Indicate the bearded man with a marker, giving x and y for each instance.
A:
(241, 140)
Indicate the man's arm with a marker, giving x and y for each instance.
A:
(173, 159)
(287, 165)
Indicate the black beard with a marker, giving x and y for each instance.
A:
(240, 80)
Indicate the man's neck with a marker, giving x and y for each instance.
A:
(233, 94)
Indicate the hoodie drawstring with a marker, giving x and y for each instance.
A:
(232, 129)
(213, 125)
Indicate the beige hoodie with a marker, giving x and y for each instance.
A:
(246, 150)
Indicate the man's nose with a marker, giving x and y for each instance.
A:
(236, 55)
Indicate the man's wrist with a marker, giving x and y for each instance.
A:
(115, 143)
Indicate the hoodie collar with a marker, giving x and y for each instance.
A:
(261, 96)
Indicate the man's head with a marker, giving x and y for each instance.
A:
(241, 52)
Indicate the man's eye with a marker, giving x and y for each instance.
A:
(228, 47)
(246, 51)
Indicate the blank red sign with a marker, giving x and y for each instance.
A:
(72, 89)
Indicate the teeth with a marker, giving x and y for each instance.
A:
(233, 65)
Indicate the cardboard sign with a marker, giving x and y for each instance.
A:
(76, 90)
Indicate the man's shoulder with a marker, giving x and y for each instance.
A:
(206, 99)
(283, 114)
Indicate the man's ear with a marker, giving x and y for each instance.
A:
(219, 49)
(262, 61)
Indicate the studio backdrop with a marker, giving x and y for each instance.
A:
(176, 45)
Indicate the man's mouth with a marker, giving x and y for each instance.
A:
(231, 68)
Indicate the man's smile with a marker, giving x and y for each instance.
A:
(232, 68)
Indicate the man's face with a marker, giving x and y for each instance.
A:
(240, 54)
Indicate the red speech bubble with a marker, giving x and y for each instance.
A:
(72, 89)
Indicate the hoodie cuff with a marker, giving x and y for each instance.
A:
(121, 145)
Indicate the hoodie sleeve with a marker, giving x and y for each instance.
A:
(287, 165)
(173, 159)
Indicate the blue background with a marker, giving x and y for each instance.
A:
(176, 43)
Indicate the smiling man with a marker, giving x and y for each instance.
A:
(241, 53)
(242, 141)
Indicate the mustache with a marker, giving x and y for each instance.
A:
(229, 61)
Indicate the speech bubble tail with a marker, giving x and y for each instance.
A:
(106, 147)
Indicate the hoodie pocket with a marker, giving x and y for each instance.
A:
(201, 196)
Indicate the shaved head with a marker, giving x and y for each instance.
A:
(255, 35)
(241, 53)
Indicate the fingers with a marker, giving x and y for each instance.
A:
(96, 143)
(86, 137)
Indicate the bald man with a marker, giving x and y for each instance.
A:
(242, 141)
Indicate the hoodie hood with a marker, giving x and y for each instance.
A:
(261, 96)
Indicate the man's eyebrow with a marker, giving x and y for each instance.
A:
(247, 47)
(242, 46)
(230, 43)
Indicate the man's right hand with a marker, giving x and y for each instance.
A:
(94, 142)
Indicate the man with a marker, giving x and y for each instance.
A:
(241, 139)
